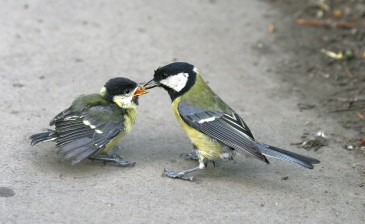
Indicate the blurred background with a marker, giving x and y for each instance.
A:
(294, 71)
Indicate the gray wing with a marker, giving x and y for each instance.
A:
(228, 128)
(84, 134)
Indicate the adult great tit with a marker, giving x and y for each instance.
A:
(215, 130)
(94, 123)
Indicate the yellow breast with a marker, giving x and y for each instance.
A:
(129, 120)
(207, 147)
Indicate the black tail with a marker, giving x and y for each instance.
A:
(285, 155)
(50, 135)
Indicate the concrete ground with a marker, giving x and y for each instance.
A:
(53, 51)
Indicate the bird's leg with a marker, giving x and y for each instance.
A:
(190, 155)
(113, 158)
(206, 163)
(181, 175)
(193, 156)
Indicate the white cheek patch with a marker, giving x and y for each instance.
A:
(123, 101)
(103, 91)
(176, 82)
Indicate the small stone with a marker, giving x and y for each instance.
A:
(6, 192)
(18, 85)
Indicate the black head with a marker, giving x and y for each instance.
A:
(176, 78)
(122, 91)
(119, 86)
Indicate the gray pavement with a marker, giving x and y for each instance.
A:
(53, 51)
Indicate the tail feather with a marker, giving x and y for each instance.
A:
(50, 135)
(285, 155)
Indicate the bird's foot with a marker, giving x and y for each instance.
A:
(177, 175)
(190, 156)
(206, 163)
(113, 158)
(193, 156)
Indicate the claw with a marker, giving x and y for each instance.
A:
(121, 162)
(173, 174)
(125, 163)
(113, 158)
(190, 156)
(207, 161)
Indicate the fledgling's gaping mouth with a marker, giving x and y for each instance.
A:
(151, 84)
(140, 90)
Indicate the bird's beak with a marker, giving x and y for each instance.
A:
(151, 84)
(140, 90)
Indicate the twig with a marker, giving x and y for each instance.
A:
(342, 24)
(347, 109)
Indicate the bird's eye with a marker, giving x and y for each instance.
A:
(127, 91)
(164, 75)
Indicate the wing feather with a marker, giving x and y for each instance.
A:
(78, 151)
(74, 145)
(227, 128)
(86, 133)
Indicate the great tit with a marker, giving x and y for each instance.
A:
(94, 123)
(215, 130)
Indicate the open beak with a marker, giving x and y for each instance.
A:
(140, 90)
(151, 84)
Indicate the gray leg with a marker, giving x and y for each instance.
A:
(193, 156)
(181, 175)
(112, 158)
(190, 155)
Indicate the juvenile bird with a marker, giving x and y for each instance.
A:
(215, 130)
(94, 123)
